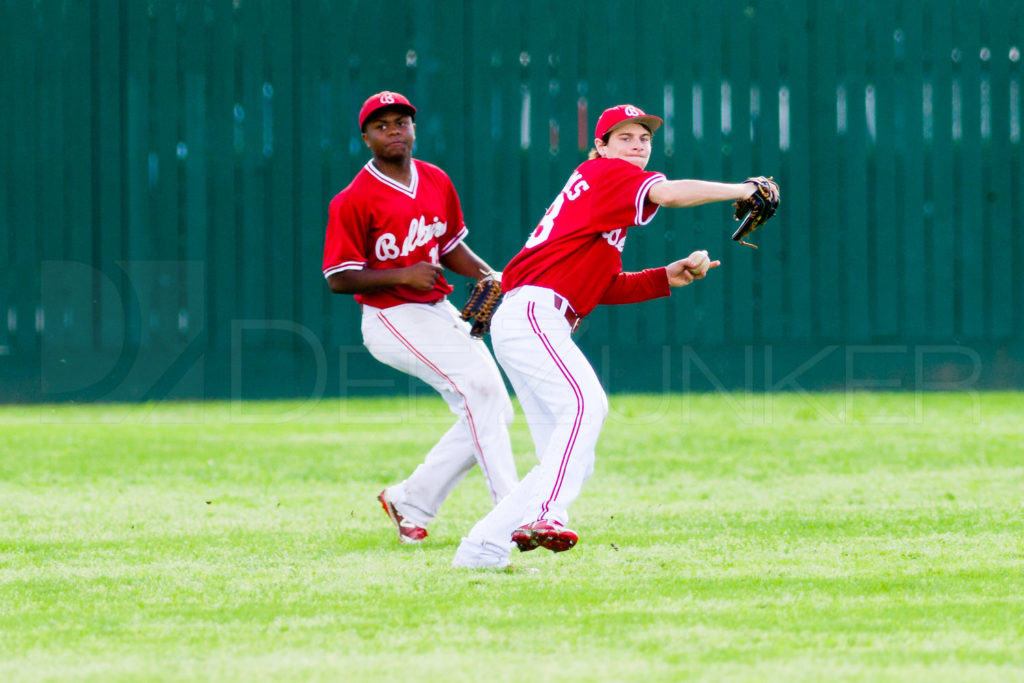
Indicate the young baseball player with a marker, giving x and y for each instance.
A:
(571, 263)
(390, 234)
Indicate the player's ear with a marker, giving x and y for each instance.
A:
(366, 139)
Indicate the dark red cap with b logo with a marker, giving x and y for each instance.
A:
(624, 113)
(381, 100)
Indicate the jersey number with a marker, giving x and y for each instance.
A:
(576, 186)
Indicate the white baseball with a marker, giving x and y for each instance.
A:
(702, 263)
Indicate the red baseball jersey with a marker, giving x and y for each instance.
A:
(576, 250)
(379, 223)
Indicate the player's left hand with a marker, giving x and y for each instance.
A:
(693, 267)
(421, 275)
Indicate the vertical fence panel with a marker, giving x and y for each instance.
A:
(516, 218)
(139, 87)
(8, 84)
(908, 47)
(166, 153)
(940, 193)
(342, 134)
(479, 191)
(571, 69)
(223, 237)
(165, 232)
(1015, 240)
(826, 259)
(880, 98)
(541, 178)
(280, 150)
(798, 167)
(139, 242)
(307, 234)
(848, 118)
(1001, 292)
(197, 166)
(23, 279)
(129, 187)
(119, 322)
(77, 236)
(969, 261)
(55, 317)
(443, 94)
(253, 123)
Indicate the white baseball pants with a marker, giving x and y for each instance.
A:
(565, 407)
(431, 342)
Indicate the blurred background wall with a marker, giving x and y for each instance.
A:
(167, 167)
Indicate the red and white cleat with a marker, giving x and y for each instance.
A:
(407, 531)
(544, 534)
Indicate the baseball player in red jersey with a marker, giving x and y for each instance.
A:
(390, 234)
(571, 263)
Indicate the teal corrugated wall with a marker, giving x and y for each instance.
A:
(167, 168)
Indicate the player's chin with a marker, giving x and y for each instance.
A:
(396, 150)
(638, 161)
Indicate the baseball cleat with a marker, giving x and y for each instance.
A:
(544, 534)
(407, 531)
(479, 554)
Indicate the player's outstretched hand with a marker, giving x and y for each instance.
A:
(693, 267)
(422, 275)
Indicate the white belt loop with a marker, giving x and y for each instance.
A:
(561, 303)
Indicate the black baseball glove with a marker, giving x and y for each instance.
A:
(756, 209)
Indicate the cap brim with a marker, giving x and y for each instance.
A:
(408, 108)
(652, 123)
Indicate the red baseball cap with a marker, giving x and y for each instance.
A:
(381, 100)
(624, 113)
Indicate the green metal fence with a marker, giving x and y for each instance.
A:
(167, 168)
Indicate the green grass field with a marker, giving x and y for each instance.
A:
(798, 537)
